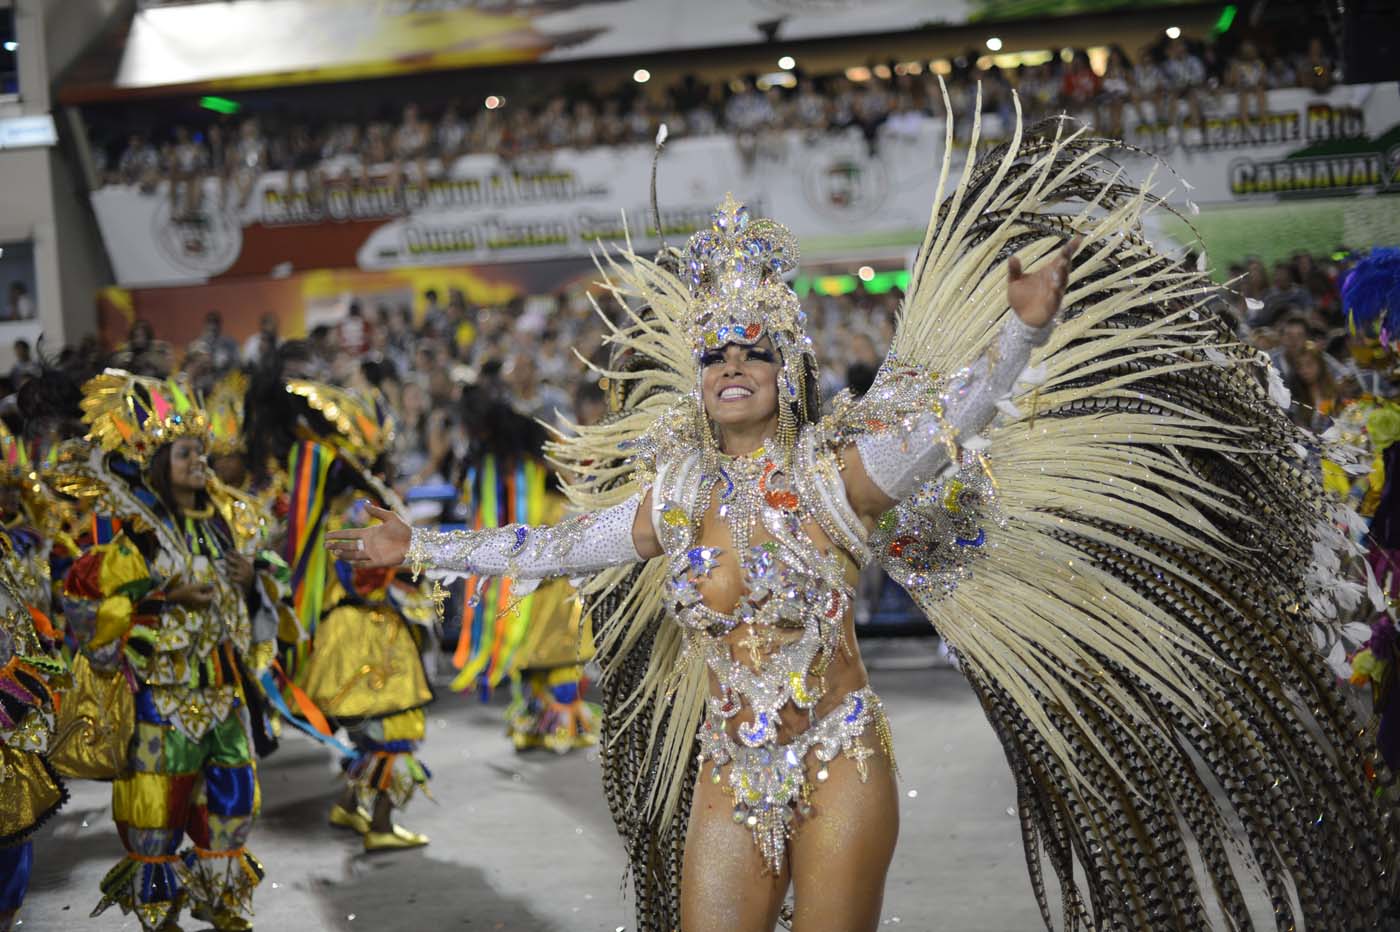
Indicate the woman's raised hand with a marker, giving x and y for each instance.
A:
(1036, 297)
(385, 544)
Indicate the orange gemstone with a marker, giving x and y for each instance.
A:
(783, 499)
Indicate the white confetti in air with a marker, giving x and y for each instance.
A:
(661, 134)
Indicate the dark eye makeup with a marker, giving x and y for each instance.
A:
(715, 357)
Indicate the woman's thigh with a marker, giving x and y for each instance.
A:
(839, 856)
(724, 884)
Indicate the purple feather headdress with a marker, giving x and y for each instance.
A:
(1371, 293)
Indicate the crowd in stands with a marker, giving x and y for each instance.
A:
(531, 352)
(1164, 88)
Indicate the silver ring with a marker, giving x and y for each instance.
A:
(359, 543)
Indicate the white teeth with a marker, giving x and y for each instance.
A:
(734, 391)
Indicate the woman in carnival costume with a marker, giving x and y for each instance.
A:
(538, 642)
(355, 662)
(171, 603)
(1118, 540)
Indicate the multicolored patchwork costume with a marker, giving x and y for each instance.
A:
(538, 642)
(191, 770)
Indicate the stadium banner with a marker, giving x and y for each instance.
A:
(236, 45)
(838, 196)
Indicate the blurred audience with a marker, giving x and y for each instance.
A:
(1167, 88)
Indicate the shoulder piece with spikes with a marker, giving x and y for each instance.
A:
(224, 408)
(363, 425)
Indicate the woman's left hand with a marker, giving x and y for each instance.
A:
(239, 569)
(1035, 297)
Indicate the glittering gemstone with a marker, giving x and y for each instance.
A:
(674, 516)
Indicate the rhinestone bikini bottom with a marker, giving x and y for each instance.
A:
(769, 783)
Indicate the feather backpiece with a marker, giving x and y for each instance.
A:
(1142, 623)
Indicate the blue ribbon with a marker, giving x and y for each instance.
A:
(274, 696)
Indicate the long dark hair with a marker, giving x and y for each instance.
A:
(158, 481)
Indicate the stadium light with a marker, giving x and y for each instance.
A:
(493, 102)
(641, 76)
(1173, 32)
(994, 44)
(11, 45)
(220, 105)
(787, 63)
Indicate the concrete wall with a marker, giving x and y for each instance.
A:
(42, 197)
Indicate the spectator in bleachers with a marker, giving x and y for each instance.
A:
(25, 367)
(1314, 389)
(1185, 76)
(261, 345)
(1249, 78)
(20, 305)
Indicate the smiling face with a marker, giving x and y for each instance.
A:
(187, 470)
(739, 384)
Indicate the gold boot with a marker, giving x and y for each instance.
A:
(222, 920)
(394, 840)
(356, 820)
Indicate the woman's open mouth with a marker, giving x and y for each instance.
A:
(734, 393)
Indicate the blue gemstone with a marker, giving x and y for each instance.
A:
(977, 541)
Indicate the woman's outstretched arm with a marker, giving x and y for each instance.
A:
(884, 467)
(577, 546)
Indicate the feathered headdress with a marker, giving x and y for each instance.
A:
(1371, 293)
(224, 408)
(135, 415)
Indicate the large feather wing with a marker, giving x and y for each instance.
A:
(1142, 625)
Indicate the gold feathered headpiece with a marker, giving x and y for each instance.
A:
(224, 408)
(135, 415)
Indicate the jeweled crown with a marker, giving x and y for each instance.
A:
(735, 273)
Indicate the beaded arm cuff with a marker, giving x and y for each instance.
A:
(899, 462)
(577, 546)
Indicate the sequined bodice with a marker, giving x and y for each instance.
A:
(772, 649)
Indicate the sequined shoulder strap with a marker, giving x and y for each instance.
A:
(823, 492)
(675, 500)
